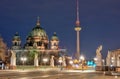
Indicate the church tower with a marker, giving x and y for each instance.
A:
(77, 29)
(16, 41)
(54, 42)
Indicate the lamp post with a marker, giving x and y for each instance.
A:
(95, 60)
(60, 61)
(45, 60)
(23, 59)
(82, 59)
(103, 66)
(71, 63)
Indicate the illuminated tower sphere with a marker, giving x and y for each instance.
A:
(54, 42)
(77, 29)
(16, 41)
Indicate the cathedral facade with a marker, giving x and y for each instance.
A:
(37, 48)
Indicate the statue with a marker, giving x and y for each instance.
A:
(52, 61)
(13, 58)
(35, 45)
(13, 55)
(36, 60)
(99, 50)
(36, 56)
(99, 56)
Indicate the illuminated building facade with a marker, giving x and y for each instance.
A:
(37, 47)
(113, 58)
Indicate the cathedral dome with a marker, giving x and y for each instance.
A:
(37, 37)
(38, 31)
(16, 37)
(55, 37)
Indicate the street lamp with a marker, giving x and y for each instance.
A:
(71, 63)
(23, 59)
(103, 65)
(45, 60)
(60, 61)
(95, 61)
(82, 59)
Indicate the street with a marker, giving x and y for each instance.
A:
(53, 74)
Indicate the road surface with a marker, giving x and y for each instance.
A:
(53, 74)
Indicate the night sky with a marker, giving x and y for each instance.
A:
(100, 22)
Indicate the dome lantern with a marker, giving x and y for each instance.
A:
(38, 22)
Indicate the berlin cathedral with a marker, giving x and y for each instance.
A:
(37, 47)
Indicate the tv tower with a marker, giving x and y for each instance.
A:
(77, 29)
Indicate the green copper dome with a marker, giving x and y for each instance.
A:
(37, 37)
(16, 37)
(38, 31)
(55, 37)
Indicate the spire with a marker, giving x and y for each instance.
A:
(38, 21)
(77, 21)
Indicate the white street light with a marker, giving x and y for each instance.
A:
(95, 62)
(45, 60)
(82, 58)
(60, 61)
(71, 62)
(23, 59)
(103, 65)
(95, 59)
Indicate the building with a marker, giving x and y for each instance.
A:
(113, 58)
(37, 48)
